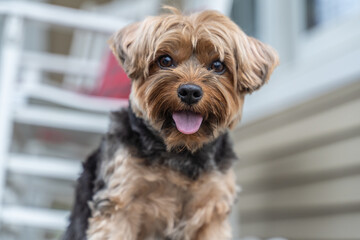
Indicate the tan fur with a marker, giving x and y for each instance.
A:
(145, 203)
(142, 201)
(193, 42)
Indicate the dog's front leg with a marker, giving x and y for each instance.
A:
(208, 223)
(206, 213)
(217, 228)
(109, 222)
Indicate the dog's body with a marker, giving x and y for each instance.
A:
(150, 191)
(163, 170)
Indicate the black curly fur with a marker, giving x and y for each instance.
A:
(84, 192)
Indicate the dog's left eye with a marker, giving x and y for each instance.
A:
(218, 67)
(165, 62)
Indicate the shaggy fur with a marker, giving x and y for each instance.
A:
(149, 180)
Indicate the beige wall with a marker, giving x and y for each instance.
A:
(300, 170)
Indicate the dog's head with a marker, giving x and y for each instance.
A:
(190, 73)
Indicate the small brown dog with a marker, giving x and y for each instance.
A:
(163, 170)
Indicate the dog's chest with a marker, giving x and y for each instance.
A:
(152, 199)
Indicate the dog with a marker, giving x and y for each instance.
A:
(163, 170)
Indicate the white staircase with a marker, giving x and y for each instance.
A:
(27, 98)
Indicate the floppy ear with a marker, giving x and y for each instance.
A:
(122, 45)
(257, 62)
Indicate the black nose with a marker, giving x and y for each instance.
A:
(190, 93)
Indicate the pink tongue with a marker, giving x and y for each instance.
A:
(187, 122)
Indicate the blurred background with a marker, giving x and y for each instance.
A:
(298, 143)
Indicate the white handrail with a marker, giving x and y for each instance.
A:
(10, 62)
(57, 15)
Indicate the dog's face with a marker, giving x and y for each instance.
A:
(190, 74)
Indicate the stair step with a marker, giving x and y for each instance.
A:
(63, 119)
(44, 166)
(35, 217)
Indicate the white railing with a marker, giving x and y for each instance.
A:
(62, 16)
(18, 68)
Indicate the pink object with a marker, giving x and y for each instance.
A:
(113, 83)
(187, 122)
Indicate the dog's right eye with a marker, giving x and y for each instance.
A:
(218, 67)
(165, 62)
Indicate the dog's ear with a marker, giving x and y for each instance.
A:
(255, 63)
(122, 44)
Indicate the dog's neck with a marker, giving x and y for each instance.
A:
(146, 144)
